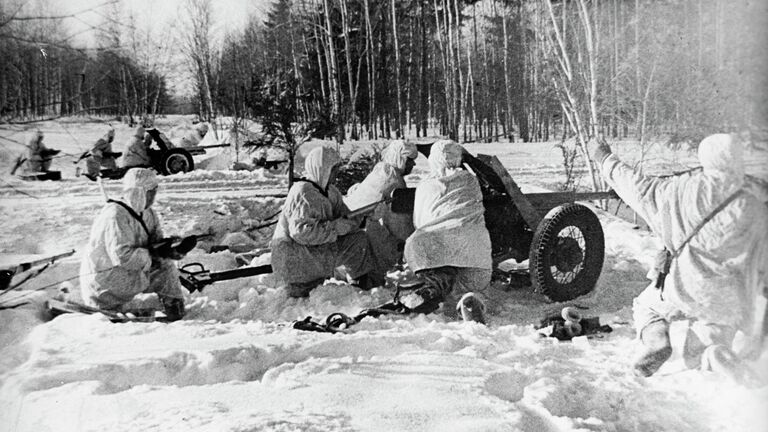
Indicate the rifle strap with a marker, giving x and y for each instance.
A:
(317, 186)
(135, 215)
(663, 270)
(676, 252)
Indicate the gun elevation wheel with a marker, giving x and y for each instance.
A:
(567, 252)
(176, 160)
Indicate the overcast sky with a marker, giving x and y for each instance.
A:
(155, 17)
(229, 15)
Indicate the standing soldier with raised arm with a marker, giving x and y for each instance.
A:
(714, 226)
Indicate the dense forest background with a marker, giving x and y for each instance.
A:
(530, 70)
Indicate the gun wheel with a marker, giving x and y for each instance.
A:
(567, 251)
(176, 160)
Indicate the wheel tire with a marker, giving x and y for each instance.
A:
(567, 251)
(176, 160)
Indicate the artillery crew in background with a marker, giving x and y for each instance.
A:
(101, 155)
(39, 157)
(137, 151)
(194, 136)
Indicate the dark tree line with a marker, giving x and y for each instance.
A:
(493, 68)
(472, 70)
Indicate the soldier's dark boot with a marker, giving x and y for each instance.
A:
(437, 284)
(656, 348)
(173, 307)
(302, 289)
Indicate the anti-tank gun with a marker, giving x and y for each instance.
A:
(562, 240)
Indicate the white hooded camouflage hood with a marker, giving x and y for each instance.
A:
(136, 183)
(319, 164)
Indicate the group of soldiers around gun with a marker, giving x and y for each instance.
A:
(101, 156)
(713, 224)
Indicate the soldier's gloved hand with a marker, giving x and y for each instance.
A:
(599, 149)
(186, 245)
(50, 152)
(345, 226)
(167, 249)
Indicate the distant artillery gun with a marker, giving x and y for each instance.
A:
(169, 159)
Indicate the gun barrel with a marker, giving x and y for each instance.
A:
(240, 273)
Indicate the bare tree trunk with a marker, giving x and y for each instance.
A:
(371, 73)
(615, 69)
(460, 92)
(446, 68)
(564, 82)
(644, 115)
(398, 89)
(319, 48)
(591, 42)
(452, 72)
(409, 78)
(198, 49)
(471, 82)
(348, 57)
(424, 84)
(638, 89)
(507, 95)
(333, 75)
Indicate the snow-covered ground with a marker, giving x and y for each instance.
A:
(235, 364)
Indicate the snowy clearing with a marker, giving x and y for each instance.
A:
(234, 363)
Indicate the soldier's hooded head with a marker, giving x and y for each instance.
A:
(445, 157)
(400, 154)
(139, 132)
(34, 137)
(139, 188)
(722, 154)
(320, 164)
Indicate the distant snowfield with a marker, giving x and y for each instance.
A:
(234, 363)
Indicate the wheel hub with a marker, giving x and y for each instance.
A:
(177, 164)
(567, 254)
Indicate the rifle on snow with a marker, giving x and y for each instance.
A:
(196, 280)
(7, 270)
